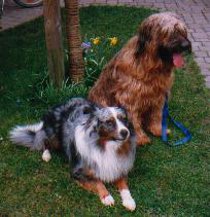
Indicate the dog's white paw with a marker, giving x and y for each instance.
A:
(108, 200)
(46, 156)
(129, 204)
(127, 200)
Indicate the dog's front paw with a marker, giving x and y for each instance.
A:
(157, 130)
(46, 156)
(142, 140)
(129, 204)
(108, 200)
(127, 200)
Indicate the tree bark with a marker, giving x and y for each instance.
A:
(76, 64)
(53, 36)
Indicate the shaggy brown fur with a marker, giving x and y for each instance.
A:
(140, 75)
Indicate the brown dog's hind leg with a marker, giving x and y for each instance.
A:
(141, 137)
(155, 124)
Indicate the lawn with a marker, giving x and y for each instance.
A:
(165, 181)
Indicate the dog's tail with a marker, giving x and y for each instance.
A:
(31, 136)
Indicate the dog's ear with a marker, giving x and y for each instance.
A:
(144, 38)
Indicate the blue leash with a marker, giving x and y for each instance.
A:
(184, 130)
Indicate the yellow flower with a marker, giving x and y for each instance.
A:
(113, 41)
(96, 41)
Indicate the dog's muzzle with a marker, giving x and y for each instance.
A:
(186, 46)
(123, 134)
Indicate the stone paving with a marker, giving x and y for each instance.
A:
(195, 13)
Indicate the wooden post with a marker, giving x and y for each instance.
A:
(76, 64)
(53, 37)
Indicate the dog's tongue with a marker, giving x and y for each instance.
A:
(178, 60)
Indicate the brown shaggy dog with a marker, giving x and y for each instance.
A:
(140, 75)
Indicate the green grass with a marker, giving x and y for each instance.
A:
(164, 182)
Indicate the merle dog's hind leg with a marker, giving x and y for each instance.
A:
(46, 156)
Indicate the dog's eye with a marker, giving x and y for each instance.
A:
(109, 123)
(87, 110)
(122, 118)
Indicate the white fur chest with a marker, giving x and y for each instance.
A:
(107, 164)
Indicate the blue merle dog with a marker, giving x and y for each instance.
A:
(97, 142)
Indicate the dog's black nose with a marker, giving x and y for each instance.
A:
(186, 45)
(124, 133)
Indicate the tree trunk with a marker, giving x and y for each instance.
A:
(76, 64)
(53, 36)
